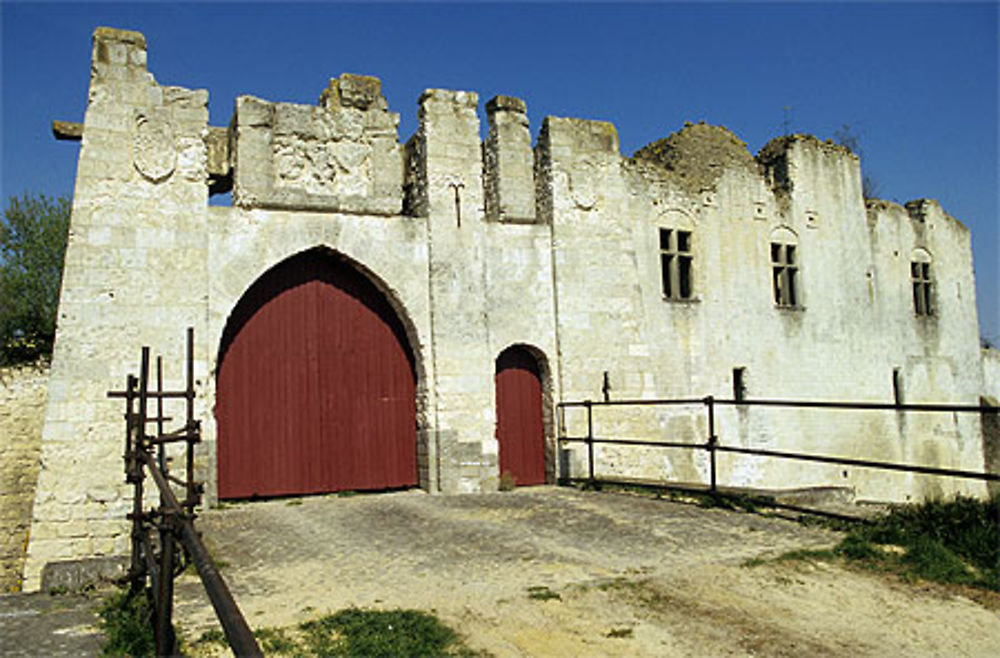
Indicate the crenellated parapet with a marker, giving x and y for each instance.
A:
(508, 162)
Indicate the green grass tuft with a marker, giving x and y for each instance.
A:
(276, 641)
(857, 547)
(212, 636)
(126, 621)
(619, 633)
(542, 593)
(381, 633)
(953, 541)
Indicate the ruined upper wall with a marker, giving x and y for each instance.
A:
(697, 155)
(342, 155)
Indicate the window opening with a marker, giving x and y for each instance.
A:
(920, 275)
(675, 263)
(785, 269)
(739, 384)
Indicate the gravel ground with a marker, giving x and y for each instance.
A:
(40, 624)
(622, 575)
(544, 572)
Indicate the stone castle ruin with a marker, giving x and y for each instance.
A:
(373, 313)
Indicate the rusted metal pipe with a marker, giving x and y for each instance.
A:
(237, 631)
(808, 404)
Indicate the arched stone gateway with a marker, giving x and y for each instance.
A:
(316, 385)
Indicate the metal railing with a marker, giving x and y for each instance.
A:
(712, 446)
(156, 532)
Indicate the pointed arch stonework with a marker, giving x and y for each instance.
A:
(316, 384)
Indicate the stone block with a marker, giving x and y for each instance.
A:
(77, 575)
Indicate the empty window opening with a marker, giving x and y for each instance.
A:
(785, 269)
(920, 275)
(897, 387)
(739, 384)
(675, 263)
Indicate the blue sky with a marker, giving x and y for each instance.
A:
(918, 82)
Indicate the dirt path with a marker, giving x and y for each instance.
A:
(557, 572)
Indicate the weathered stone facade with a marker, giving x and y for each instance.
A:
(483, 244)
(22, 411)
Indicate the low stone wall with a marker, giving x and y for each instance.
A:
(23, 393)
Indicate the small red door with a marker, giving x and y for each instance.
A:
(316, 388)
(520, 430)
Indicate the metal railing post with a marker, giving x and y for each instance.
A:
(590, 440)
(710, 445)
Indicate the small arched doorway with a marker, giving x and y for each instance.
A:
(520, 422)
(316, 388)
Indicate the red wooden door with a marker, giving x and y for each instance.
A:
(520, 430)
(316, 391)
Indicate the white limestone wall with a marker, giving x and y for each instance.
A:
(23, 391)
(451, 183)
(612, 317)
(135, 274)
(991, 372)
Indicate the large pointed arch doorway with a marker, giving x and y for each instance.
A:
(520, 420)
(316, 385)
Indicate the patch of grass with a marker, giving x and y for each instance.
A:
(294, 502)
(950, 541)
(542, 593)
(641, 591)
(212, 636)
(381, 633)
(126, 622)
(346, 494)
(275, 641)
(619, 633)
(807, 554)
(354, 633)
(615, 583)
(858, 548)
(930, 559)
(953, 541)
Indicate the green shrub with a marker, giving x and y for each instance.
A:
(126, 621)
(33, 234)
